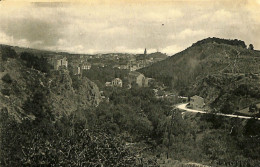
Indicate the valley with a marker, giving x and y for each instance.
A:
(117, 109)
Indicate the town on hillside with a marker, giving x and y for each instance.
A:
(125, 65)
(79, 98)
(131, 62)
(130, 83)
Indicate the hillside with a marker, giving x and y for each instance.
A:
(228, 93)
(21, 85)
(209, 59)
(53, 118)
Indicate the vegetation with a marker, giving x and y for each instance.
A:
(66, 142)
(35, 62)
(234, 42)
(223, 72)
(7, 52)
(135, 128)
(251, 47)
(7, 79)
(206, 57)
(6, 92)
(209, 139)
(101, 75)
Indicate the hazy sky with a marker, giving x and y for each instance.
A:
(127, 26)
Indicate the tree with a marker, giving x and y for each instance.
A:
(38, 63)
(252, 108)
(7, 79)
(39, 106)
(251, 47)
(8, 52)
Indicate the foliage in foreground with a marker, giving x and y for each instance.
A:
(91, 137)
(64, 143)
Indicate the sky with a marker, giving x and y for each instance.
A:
(129, 26)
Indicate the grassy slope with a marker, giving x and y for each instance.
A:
(199, 61)
(213, 70)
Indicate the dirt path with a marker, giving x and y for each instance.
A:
(183, 107)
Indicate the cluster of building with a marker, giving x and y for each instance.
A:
(140, 61)
(134, 77)
(131, 62)
(58, 62)
(132, 65)
(138, 78)
(80, 67)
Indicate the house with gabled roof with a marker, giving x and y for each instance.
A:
(136, 77)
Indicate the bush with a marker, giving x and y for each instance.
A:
(252, 127)
(39, 107)
(44, 144)
(7, 79)
(7, 52)
(251, 47)
(5, 92)
(227, 108)
(76, 81)
(35, 62)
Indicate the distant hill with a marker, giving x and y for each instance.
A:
(214, 57)
(234, 42)
(203, 58)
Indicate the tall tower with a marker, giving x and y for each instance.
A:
(145, 52)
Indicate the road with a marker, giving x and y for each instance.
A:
(183, 107)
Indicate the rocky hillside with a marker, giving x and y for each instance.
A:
(209, 67)
(24, 89)
(228, 93)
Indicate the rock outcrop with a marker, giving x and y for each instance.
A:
(228, 93)
(65, 98)
(19, 84)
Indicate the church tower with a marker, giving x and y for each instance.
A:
(145, 52)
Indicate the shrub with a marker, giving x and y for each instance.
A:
(27, 144)
(35, 62)
(8, 52)
(7, 79)
(251, 47)
(5, 92)
(76, 81)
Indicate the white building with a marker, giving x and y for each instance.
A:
(60, 63)
(117, 82)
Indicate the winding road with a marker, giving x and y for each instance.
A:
(184, 107)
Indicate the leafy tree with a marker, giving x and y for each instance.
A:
(35, 62)
(39, 107)
(253, 108)
(7, 79)
(25, 144)
(6, 92)
(251, 47)
(76, 81)
(252, 127)
(7, 52)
